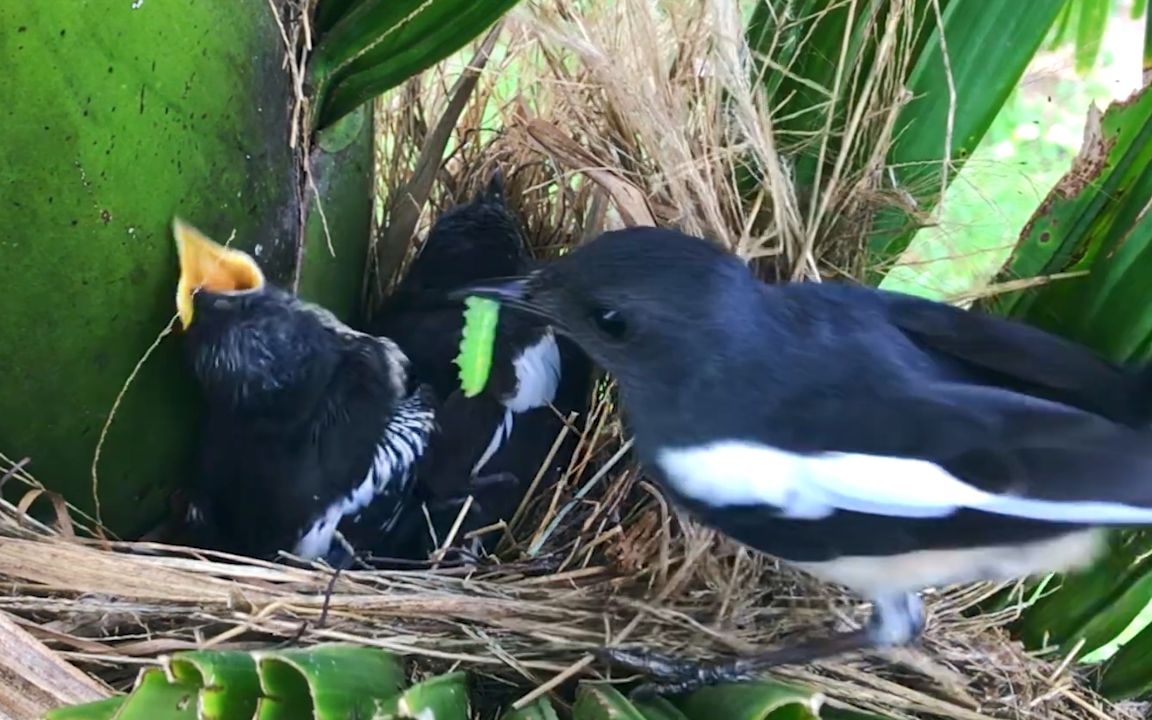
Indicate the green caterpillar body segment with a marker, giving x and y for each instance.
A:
(476, 343)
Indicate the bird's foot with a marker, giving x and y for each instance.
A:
(496, 481)
(896, 620)
(672, 676)
(669, 675)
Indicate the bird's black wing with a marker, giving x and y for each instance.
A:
(1000, 451)
(467, 427)
(370, 434)
(951, 466)
(1026, 359)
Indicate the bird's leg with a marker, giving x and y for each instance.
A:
(495, 481)
(896, 620)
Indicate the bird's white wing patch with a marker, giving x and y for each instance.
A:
(405, 440)
(733, 472)
(503, 430)
(537, 374)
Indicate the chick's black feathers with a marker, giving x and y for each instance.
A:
(299, 409)
(492, 445)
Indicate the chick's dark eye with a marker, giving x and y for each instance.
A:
(609, 322)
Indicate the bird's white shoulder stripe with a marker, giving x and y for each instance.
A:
(733, 472)
(537, 374)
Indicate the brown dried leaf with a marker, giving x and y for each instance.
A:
(631, 201)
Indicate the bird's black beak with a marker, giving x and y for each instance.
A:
(511, 291)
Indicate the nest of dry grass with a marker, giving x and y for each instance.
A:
(635, 113)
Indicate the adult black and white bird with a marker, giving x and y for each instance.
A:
(307, 422)
(490, 446)
(877, 440)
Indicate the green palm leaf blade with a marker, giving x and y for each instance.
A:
(988, 45)
(764, 700)
(603, 702)
(335, 681)
(444, 697)
(541, 709)
(228, 681)
(381, 43)
(1128, 674)
(98, 710)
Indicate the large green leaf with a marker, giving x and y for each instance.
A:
(962, 76)
(116, 118)
(338, 226)
(1094, 219)
(752, 701)
(962, 67)
(444, 697)
(381, 43)
(99, 710)
(230, 685)
(1129, 673)
(1096, 222)
(324, 682)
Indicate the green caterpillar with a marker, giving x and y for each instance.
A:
(476, 342)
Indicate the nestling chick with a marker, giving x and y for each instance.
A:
(307, 422)
(492, 445)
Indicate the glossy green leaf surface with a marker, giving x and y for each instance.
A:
(444, 697)
(971, 60)
(116, 117)
(99, 710)
(1094, 219)
(382, 43)
(603, 702)
(1128, 674)
(324, 682)
(337, 231)
(541, 709)
(751, 701)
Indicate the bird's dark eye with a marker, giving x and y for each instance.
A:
(609, 322)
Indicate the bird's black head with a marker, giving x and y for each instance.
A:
(469, 242)
(640, 301)
(254, 347)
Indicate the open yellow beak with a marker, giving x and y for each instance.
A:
(207, 265)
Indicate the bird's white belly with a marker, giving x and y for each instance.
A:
(912, 571)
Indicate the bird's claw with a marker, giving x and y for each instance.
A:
(642, 661)
(672, 676)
